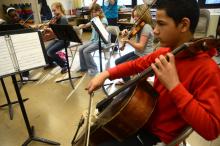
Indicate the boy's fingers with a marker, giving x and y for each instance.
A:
(171, 57)
(155, 69)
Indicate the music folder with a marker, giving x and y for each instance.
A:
(21, 50)
(99, 27)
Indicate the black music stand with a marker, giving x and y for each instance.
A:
(8, 27)
(104, 35)
(67, 34)
(30, 128)
(9, 103)
(36, 61)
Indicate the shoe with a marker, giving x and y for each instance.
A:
(64, 70)
(92, 72)
(115, 49)
(24, 79)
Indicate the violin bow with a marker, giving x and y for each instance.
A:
(148, 7)
(27, 19)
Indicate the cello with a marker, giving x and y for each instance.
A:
(121, 117)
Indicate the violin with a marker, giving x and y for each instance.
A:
(118, 119)
(135, 29)
(48, 33)
(24, 24)
(46, 25)
(54, 19)
(137, 26)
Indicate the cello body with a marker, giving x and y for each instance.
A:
(124, 116)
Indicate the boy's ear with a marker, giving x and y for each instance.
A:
(184, 24)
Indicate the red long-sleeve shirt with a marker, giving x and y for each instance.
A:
(195, 101)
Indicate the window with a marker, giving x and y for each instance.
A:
(139, 2)
(149, 2)
(120, 2)
(209, 4)
(124, 2)
(88, 2)
(212, 2)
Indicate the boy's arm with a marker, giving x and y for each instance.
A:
(121, 70)
(97, 82)
(124, 69)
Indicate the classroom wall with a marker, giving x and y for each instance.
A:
(67, 4)
(34, 4)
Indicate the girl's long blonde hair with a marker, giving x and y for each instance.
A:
(146, 17)
(97, 7)
(60, 6)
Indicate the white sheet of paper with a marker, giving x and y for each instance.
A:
(28, 50)
(6, 64)
(101, 28)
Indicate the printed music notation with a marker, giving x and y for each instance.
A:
(6, 64)
(20, 52)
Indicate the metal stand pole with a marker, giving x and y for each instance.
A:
(9, 103)
(68, 68)
(100, 60)
(30, 128)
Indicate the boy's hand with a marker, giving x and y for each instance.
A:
(166, 71)
(97, 82)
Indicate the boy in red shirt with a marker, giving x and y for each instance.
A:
(189, 85)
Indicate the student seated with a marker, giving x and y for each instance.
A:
(52, 49)
(144, 38)
(14, 18)
(87, 62)
(188, 84)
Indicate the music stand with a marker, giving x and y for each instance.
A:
(104, 35)
(9, 103)
(15, 66)
(7, 27)
(30, 128)
(67, 34)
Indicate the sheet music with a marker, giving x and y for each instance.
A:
(97, 22)
(6, 64)
(28, 50)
